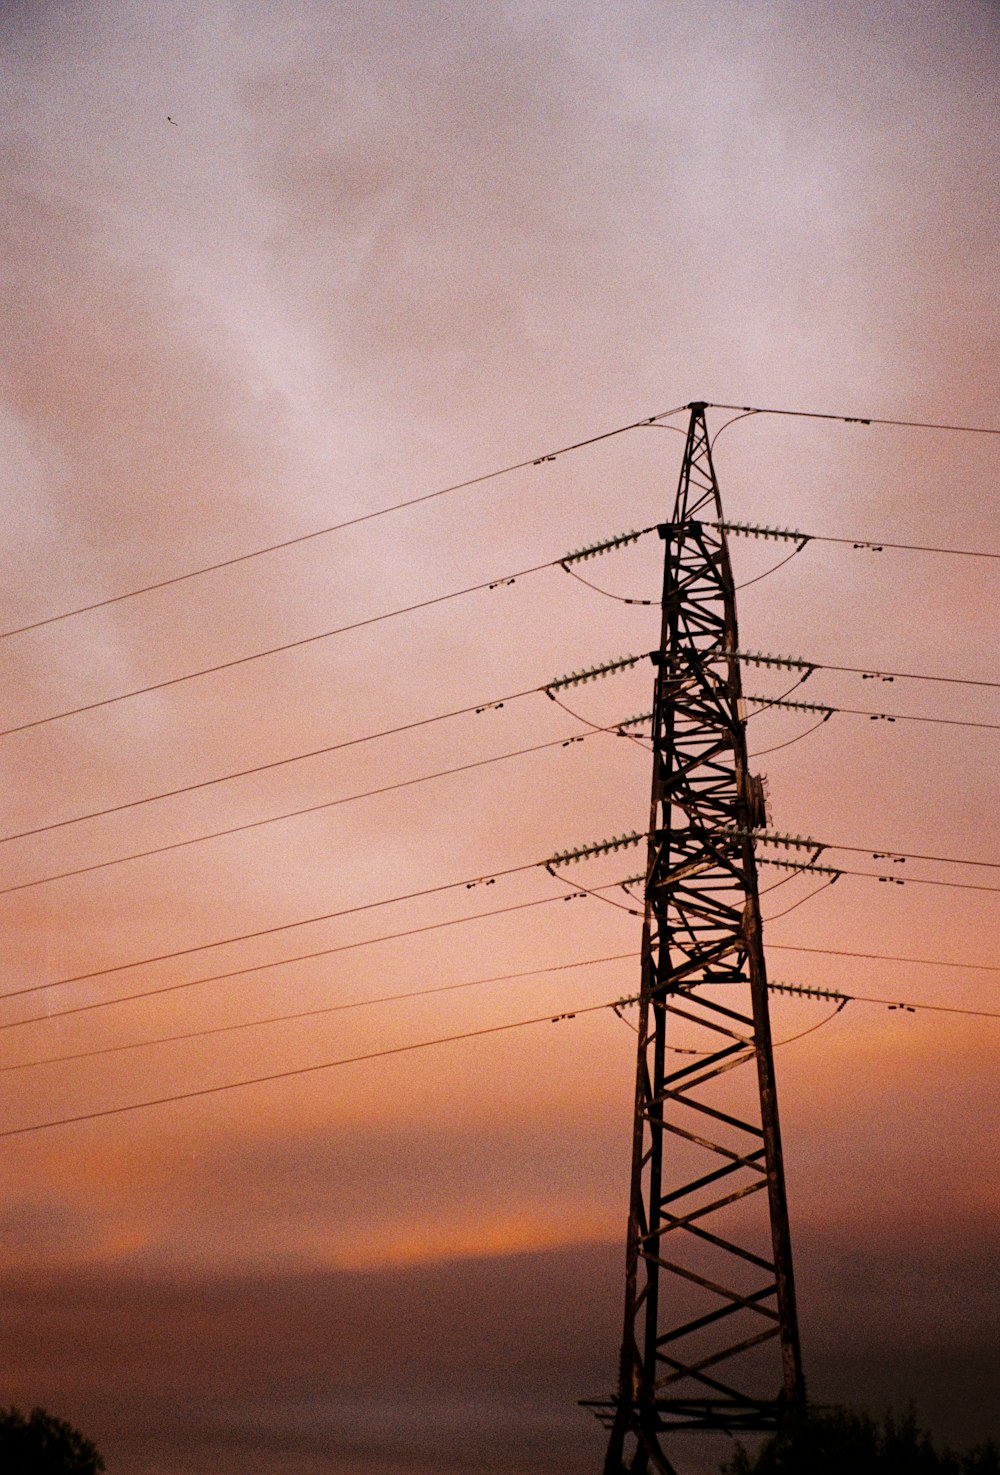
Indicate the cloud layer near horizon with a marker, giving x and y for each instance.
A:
(473, 1364)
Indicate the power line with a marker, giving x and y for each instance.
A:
(343, 947)
(823, 885)
(463, 486)
(751, 657)
(876, 545)
(873, 714)
(341, 526)
(832, 952)
(777, 747)
(870, 545)
(893, 880)
(791, 1039)
(302, 1070)
(946, 860)
(468, 883)
(804, 842)
(768, 572)
(475, 708)
(367, 906)
(822, 994)
(490, 584)
(870, 673)
(275, 650)
(855, 419)
(222, 1029)
(306, 809)
(444, 988)
(479, 707)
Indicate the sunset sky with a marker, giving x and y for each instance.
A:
(383, 249)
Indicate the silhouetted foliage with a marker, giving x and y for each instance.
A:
(42, 1445)
(839, 1441)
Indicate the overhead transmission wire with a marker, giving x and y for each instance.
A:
(872, 714)
(343, 1006)
(532, 461)
(802, 842)
(410, 609)
(488, 584)
(876, 545)
(949, 860)
(338, 1008)
(303, 1070)
(910, 1005)
(832, 952)
(850, 419)
(577, 676)
(614, 1005)
(349, 522)
(472, 708)
(767, 702)
(224, 778)
(470, 482)
(790, 742)
(791, 1039)
(870, 673)
(468, 883)
(622, 599)
(619, 729)
(746, 584)
(804, 539)
(595, 727)
(325, 952)
(367, 906)
(595, 892)
(276, 649)
(493, 1029)
(501, 581)
(306, 809)
(343, 947)
(802, 900)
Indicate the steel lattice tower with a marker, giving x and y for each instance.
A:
(709, 1298)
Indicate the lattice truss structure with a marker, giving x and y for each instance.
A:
(710, 1339)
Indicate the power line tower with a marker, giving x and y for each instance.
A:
(709, 1293)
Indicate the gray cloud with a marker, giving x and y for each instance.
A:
(477, 1362)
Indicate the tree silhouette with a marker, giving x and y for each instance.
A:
(839, 1441)
(43, 1445)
